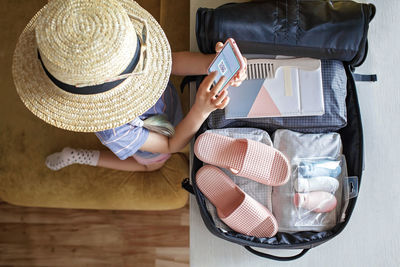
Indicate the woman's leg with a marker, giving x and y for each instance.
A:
(106, 159)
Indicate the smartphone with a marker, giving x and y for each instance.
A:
(228, 62)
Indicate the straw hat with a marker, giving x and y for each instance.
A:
(89, 65)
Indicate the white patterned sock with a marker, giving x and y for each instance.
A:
(69, 156)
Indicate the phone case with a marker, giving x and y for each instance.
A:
(238, 56)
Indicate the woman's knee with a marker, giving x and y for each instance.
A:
(154, 166)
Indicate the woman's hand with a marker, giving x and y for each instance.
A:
(208, 99)
(240, 76)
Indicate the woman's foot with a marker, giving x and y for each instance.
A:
(69, 156)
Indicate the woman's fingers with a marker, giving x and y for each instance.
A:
(245, 63)
(243, 73)
(218, 47)
(240, 76)
(222, 95)
(218, 86)
(224, 103)
(208, 80)
(236, 83)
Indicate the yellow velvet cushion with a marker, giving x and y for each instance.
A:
(87, 187)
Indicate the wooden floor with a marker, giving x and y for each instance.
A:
(66, 237)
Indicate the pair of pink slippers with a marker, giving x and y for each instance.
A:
(246, 158)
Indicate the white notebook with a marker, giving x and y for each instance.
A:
(292, 92)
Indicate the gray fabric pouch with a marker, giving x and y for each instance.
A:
(260, 192)
(335, 117)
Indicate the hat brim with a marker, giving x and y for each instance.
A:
(96, 112)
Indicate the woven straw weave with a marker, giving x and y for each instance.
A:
(83, 41)
(88, 40)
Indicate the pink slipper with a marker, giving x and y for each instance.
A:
(234, 207)
(244, 157)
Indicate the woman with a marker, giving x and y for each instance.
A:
(103, 67)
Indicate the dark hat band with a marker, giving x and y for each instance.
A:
(94, 89)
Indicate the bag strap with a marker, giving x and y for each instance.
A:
(192, 78)
(187, 186)
(277, 258)
(365, 77)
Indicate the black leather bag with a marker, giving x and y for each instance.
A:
(321, 29)
(313, 28)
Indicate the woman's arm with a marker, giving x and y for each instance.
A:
(190, 63)
(206, 102)
(193, 63)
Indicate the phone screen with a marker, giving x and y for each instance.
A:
(226, 64)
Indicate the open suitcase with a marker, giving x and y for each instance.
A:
(320, 29)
